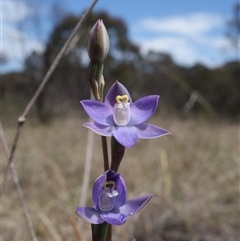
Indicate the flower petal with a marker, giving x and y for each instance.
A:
(89, 214)
(148, 131)
(125, 135)
(98, 111)
(114, 218)
(99, 129)
(120, 186)
(111, 175)
(143, 109)
(135, 205)
(115, 90)
(97, 187)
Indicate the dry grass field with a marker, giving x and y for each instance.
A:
(193, 174)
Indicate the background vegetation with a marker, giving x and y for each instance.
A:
(193, 175)
(155, 73)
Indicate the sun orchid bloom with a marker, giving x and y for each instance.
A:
(109, 201)
(118, 116)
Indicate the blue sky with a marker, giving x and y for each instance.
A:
(190, 31)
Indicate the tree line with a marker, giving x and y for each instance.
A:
(154, 73)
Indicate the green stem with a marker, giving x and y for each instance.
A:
(96, 70)
(109, 233)
(105, 153)
(100, 232)
(117, 153)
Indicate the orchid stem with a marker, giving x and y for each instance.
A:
(109, 233)
(100, 232)
(117, 153)
(105, 153)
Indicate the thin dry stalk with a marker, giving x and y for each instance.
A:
(22, 118)
(87, 166)
(10, 159)
(66, 195)
(62, 183)
(201, 100)
(76, 229)
(48, 223)
(166, 174)
(18, 186)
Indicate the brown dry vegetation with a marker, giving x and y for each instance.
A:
(193, 174)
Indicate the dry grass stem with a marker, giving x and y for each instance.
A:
(18, 186)
(181, 82)
(87, 165)
(10, 159)
(87, 168)
(166, 174)
(48, 223)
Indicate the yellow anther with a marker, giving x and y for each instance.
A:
(109, 183)
(122, 99)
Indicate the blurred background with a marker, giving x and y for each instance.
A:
(185, 51)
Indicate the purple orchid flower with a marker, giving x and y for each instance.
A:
(109, 201)
(118, 116)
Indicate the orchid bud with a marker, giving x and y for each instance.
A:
(98, 42)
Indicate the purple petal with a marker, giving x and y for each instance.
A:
(148, 131)
(89, 214)
(98, 111)
(115, 90)
(143, 109)
(135, 205)
(120, 186)
(99, 129)
(97, 187)
(122, 192)
(114, 218)
(111, 175)
(126, 135)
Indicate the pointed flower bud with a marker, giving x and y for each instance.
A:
(98, 42)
